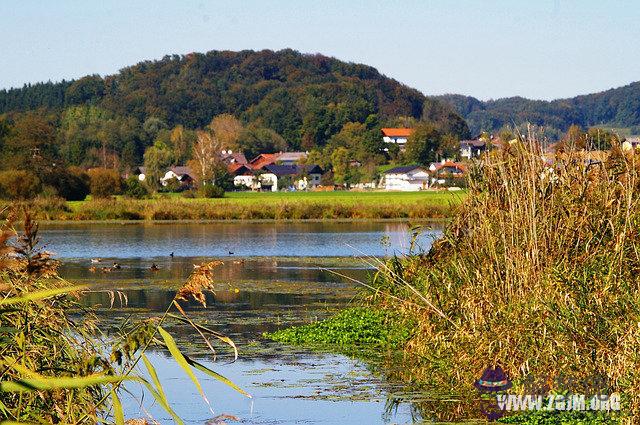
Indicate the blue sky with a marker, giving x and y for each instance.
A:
(539, 49)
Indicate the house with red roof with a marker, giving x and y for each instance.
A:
(263, 159)
(399, 136)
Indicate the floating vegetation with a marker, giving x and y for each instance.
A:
(354, 327)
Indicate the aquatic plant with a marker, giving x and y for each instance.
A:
(538, 273)
(53, 364)
(353, 327)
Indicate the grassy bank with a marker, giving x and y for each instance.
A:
(257, 206)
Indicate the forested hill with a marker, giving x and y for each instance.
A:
(619, 107)
(304, 98)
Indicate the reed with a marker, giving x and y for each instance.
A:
(538, 273)
(222, 209)
(56, 366)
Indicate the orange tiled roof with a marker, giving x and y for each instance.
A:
(451, 164)
(263, 159)
(234, 167)
(397, 132)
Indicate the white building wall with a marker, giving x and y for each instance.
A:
(407, 182)
(396, 140)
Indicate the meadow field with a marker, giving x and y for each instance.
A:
(339, 205)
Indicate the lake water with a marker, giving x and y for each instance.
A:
(277, 276)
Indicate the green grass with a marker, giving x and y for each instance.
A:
(343, 205)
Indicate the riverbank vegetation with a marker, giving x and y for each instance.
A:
(256, 206)
(537, 273)
(56, 364)
(355, 327)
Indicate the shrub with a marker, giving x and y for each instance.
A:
(172, 185)
(19, 184)
(211, 191)
(70, 183)
(133, 188)
(104, 182)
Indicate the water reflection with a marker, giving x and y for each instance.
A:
(279, 275)
(218, 239)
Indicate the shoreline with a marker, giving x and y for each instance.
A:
(440, 220)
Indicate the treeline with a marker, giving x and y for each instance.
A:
(150, 114)
(304, 98)
(619, 107)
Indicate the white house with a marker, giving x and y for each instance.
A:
(181, 173)
(399, 136)
(408, 179)
(472, 148)
(303, 177)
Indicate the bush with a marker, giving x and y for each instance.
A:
(70, 183)
(19, 184)
(211, 191)
(133, 188)
(104, 182)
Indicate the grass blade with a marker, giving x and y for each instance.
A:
(118, 414)
(154, 377)
(182, 362)
(217, 376)
(39, 295)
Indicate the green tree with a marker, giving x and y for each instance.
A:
(340, 159)
(30, 144)
(423, 144)
(70, 183)
(133, 188)
(19, 184)
(255, 140)
(157, 159)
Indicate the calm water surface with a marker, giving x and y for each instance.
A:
(243, 239)
(278, 275)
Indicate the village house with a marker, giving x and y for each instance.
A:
(229, 157)
(243, 176)
(181, 173)
(472, 148)
(408, 178)
(291, 158)
(302, 177)
(399, 136)
(263, 159)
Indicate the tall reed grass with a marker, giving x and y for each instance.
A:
(56, 366)
(539, 273)
(182, 209)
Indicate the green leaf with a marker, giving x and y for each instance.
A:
(117, 408)
(182, 362)
(44, 383)
(154, 376)
(39, 295)
(204, 329)
(217, 376)
(161, 401)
